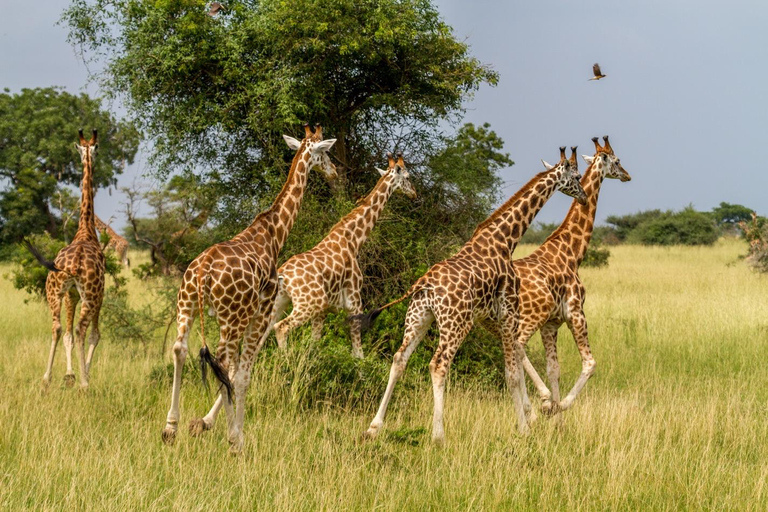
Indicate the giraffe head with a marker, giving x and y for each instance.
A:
(316, 148)
(567, 178)
(400, 175)
(606, 162)
(87, 148)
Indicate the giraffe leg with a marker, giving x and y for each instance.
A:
(184, 318)
(86, 315)
(199, 425)
(417, 322)
(70, 303)
(513, 360)
(317, 326)
(301, 314)
(93, 340)
(54, 301)
(281, 303)
(439, 366)
(549, 339)
(525, 331)
(354, 306)
(578, 326)
(254, 340)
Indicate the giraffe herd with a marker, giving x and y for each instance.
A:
(238, 283)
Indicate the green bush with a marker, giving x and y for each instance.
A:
(29, 275)
(596, 256)
(687, 227)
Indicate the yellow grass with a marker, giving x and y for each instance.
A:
(675, 417)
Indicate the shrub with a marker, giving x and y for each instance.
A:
(596, 256)
(29, 275)
(687, 227)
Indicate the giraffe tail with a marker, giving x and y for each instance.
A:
(39, 257)
(206, 358)
(367, 319)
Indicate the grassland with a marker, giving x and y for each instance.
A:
(675, 417)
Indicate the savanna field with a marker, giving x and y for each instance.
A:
(674, 418)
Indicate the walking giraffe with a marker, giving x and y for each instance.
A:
(551, 292)
(238, 281)
(328, 276)
(478, 284)
(77, 273)
(116, 243)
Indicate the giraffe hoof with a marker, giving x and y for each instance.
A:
(357, 354)
(69, 380)
(169, 436)
(369, 434)
(236, 445)
(197, 426)
(550, 408)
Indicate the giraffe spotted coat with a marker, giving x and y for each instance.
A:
(327, 277)
(551, 291)
(478, 284)
(237, 280)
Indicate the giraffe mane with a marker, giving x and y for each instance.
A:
(504, 207)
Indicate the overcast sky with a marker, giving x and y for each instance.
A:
(685, 99)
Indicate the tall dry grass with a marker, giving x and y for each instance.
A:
(675, 417)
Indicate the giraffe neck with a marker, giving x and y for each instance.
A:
(575, 231)
(278, 220)
(507, 225)
(86, 228)
(358, 224)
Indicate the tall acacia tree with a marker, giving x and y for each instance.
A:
(38, 129)
(218, 91)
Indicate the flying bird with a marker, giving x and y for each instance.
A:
(216, 7)
(596, 71)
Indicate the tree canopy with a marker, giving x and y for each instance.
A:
(216, 92)
(38, 160)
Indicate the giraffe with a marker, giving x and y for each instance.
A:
(116, 243)
(328, 277)
(478, 284)
(238, 281)
(77, 273)
(551, 292)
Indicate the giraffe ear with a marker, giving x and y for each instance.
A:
(323, 145)
(588, 159)
(548, 166)
(292, 143)
(381, 171)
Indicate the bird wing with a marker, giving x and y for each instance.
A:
(596, 69)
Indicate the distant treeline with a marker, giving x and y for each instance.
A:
(656, 227)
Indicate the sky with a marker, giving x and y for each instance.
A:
(684, 101)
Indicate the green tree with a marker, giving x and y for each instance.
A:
(38, 129)
(174, 232)
(217, 92)
(731, 214)
(625, 224)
